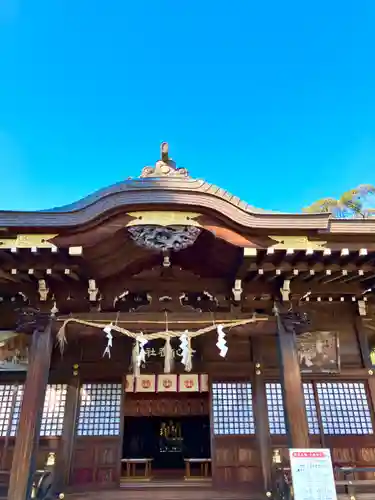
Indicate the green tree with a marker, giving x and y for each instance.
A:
(355, 203)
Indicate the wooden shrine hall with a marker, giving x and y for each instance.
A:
(161, 329)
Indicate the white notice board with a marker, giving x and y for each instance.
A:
(312, 474)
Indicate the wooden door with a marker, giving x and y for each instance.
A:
(235, 457)
(98, 444)
(96, 462)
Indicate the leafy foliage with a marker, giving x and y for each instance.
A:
(355, 203)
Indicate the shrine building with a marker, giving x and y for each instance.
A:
(161, 329)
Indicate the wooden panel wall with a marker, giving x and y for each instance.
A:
(236, 365)
(235, 461)
(159, 405)
(96, 462)
(46, 446)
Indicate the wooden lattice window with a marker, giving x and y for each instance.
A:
(53, 410)
(275, 407)
(10, 407)
(16, 410)
(276, 414)
(100, 410)
(311, 411)
(6, 406)
(344, 408)
(232, 408)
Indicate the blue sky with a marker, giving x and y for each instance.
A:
(274, 101)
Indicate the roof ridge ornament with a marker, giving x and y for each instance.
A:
(165, 167)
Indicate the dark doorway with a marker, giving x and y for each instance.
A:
(167, 440)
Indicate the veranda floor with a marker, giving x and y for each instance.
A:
(166, 494)
(188, 495)
(182, 494)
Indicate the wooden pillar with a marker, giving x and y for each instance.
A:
(363, 342)
(364, 349)
(294, 399)
(261, 417)
(66, 445)
(23, 465)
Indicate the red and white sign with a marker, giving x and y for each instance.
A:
(312, 474)
(145, 383)
(189, 383)
(129, 383)
(167, 383)
(203, 382)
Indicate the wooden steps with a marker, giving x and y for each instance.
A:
(158, 484)
(180, 490)
(183, 494)
(166, 494)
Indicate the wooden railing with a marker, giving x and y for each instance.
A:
(346, 478)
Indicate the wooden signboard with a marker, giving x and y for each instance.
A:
(14, 350)
(318, 352)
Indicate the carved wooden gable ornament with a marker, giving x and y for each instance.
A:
(164, 230)
(164, 238)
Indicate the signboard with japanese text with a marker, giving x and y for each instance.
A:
(152, 352)
(312, 474)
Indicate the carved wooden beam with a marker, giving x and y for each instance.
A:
(273, 374)
(30, 319)
(298, 287)
(35, 242)
(31, 242)
(246, 263)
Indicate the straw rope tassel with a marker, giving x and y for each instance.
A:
(62, 340)
(61, 337)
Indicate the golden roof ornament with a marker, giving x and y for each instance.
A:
(165, 167)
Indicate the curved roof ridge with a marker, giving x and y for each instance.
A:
(186, 184)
